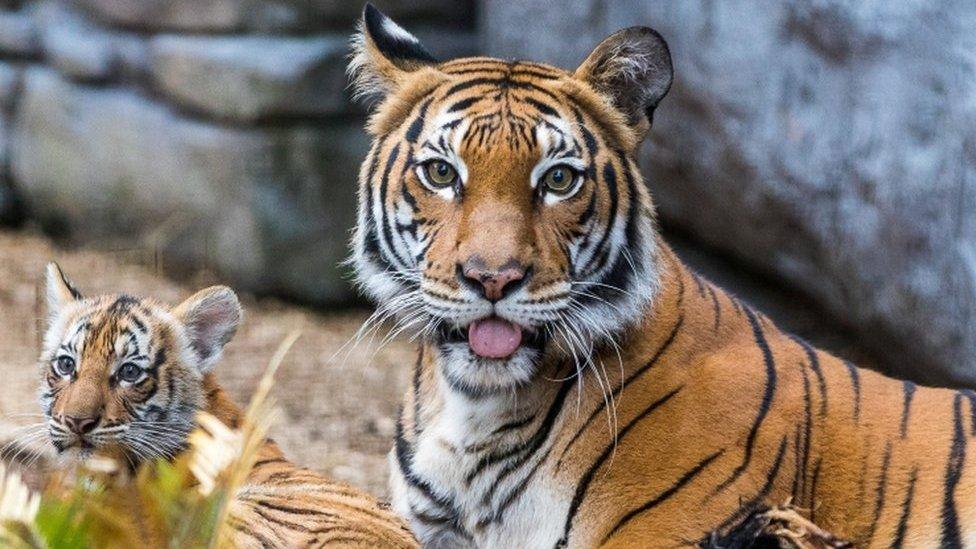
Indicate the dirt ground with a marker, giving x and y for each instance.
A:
(337, 415)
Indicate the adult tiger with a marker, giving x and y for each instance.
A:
(125, 376)
(502, 213)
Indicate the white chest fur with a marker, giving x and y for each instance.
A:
(489, 488)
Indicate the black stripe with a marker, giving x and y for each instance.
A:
(417, 427)
(813, 489)
(524, 451)
(464, 103)
(404, 456)
(497, 82)
(663, 496)
(371, 245)
(542, 107)
(616, 392)
(909, 390)
(881, 491)
(159, 359)
(600, 251)
(140, 325)
(71, 289)
(796, 488)
(588, 139)
(513, 495)
(807, 431)
(716, 306)
(413, 131)
(951, 535)
(584, 483)
(856, 387)
(263, 462)
(971, 395)
(518, 423)
(760, 498)
(243, 529)
(382, 221)
(906, 510)
(767, 399)
(814, 362)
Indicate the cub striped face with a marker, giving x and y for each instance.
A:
(124, 376)
(501, 210)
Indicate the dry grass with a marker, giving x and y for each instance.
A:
(336, 417)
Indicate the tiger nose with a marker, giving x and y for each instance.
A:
(81, 425)
(493, 284)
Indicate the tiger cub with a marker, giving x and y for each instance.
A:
(577, 385)
(126, 376)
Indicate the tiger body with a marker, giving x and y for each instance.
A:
(576, 384)
(721, 413)
(125, 377)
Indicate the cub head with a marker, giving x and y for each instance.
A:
(124, 375)
(501, 212)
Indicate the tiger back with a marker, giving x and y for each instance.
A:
(125, 377)
(576, 384)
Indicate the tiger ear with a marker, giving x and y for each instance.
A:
(210, 317)
(632, 68)
(383, 53)
(59, 290)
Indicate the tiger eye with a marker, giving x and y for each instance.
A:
(129, 372)
(440, 173)
(558, 179)
(64, 365)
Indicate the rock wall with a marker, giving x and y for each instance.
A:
(210, 132)
(831, 144)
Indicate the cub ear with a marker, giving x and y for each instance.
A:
(632, 67)
(210, 318)
(383, 53)
(60, 291)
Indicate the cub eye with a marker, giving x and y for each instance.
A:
(64, 366)
(440, 173)
(558, 179)
(129, 372)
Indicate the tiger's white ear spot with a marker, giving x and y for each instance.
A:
(382, 53)
(210, 318)
(59, 290)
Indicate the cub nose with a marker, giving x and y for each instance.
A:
(493, 284)
(81, 425)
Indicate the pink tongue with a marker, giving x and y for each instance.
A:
(494, 338)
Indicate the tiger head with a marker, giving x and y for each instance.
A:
(501, 211)
(124, 376)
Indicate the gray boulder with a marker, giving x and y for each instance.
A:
(254, 78)
(247, 78)
(260, 15)
(831, 144)
(84, 51)
(19, 36)
(267, 208)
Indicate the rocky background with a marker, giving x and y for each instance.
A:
(212, 133)
(817, 156)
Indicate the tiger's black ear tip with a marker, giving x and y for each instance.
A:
(372, 16)
(392, 40)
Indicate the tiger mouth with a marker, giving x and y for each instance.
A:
(78, 444)
(461, 335)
